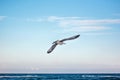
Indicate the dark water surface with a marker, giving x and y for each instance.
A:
(60, 76)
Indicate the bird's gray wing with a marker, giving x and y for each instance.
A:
(52, 48)
(70, 38)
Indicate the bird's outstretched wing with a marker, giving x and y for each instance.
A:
(70, 38)
(52, 48)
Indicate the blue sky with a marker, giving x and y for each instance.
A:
(28, 27)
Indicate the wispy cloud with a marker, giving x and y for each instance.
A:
(83, 24)
(2, 17)
(57, 19)
(78, 21)
(79, 24)
(34, 20)
(88, 22)
(86, 28)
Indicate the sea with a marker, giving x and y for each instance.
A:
(63, 76)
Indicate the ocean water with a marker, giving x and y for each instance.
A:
(60, 76)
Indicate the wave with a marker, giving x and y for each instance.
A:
(25, 76)
(60, 76)
(100, 76)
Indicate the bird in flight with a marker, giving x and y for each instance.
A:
(60, 42)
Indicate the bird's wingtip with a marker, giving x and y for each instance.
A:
(78, 35)
(48, 52)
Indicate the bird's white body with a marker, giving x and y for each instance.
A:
(59, 42)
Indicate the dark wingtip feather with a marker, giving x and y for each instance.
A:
(48, 52)
(77, 35)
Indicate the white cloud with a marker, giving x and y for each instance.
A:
(2, 17)
(79, 24)
(88, 22)
(81, 20)
(86, 28)
(34, 20)
(82, 24)
(54, 18)
(57, 19)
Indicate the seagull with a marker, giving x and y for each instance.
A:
(60, 42)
